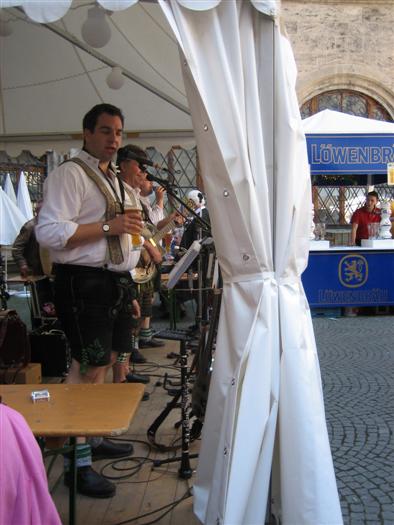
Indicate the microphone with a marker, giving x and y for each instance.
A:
(152, 178)
(147, 162)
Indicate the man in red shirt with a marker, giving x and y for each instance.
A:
(362, 217)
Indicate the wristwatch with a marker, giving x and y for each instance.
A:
(105, 228)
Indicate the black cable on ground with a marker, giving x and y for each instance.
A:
(120, 465)
(169, 507)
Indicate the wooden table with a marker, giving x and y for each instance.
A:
(76, 410)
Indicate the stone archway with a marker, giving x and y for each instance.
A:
(368, 83)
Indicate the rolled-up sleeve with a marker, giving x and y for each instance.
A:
(63, 194)
(156, 214)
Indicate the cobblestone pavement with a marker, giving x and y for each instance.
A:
(357, 366)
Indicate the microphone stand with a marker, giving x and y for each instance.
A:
(168, 187)
(200, 285)
(185, 470)
(205, 227)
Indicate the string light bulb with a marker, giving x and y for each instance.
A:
(95, 30)
(115, 79)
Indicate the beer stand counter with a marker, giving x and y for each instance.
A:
(344, 276)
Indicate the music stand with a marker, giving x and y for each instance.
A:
(183, 264)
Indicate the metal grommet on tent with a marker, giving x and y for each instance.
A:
(226, 193)
(233, 381)
(206, 127)
(245, 257)
(225, 451)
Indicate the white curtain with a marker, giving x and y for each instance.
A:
(265, 397)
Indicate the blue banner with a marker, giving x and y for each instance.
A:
(353, 154)
(346, 278)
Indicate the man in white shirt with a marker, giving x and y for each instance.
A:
(132, 173)
(83, 224)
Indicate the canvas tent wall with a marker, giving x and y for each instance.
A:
(266, 392)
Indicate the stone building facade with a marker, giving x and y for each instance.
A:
(344, 50)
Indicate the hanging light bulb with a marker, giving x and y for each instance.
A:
(95, 30)
(115, 79)
(5, 27)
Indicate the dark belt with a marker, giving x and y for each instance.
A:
(79, 268)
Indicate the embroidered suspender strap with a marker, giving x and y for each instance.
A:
(112, 208)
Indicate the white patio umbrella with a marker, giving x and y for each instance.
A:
(11, 220)
(9, 189)
(265, 393)
(23, 198)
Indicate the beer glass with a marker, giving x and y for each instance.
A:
(373, 229)
(390, 173)
(167, 241)
(320, 231)
(137, 240)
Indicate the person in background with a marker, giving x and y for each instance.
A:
(26, 251)
(131, 173)
(367, 214)
(132, 170)
(27, 255)
(82, 222)
(193, 227)
(146, 336)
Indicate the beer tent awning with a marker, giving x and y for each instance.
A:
(265, 394)
(339, 143)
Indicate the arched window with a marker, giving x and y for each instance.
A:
(347, 101)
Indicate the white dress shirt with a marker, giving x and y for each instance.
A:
(156, 213)
(72, 198)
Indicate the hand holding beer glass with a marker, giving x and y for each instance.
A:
(137, 241)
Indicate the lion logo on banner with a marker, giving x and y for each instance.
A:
(353, 271)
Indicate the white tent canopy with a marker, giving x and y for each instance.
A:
(265, 393)
(328, 121)
(48, 83)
